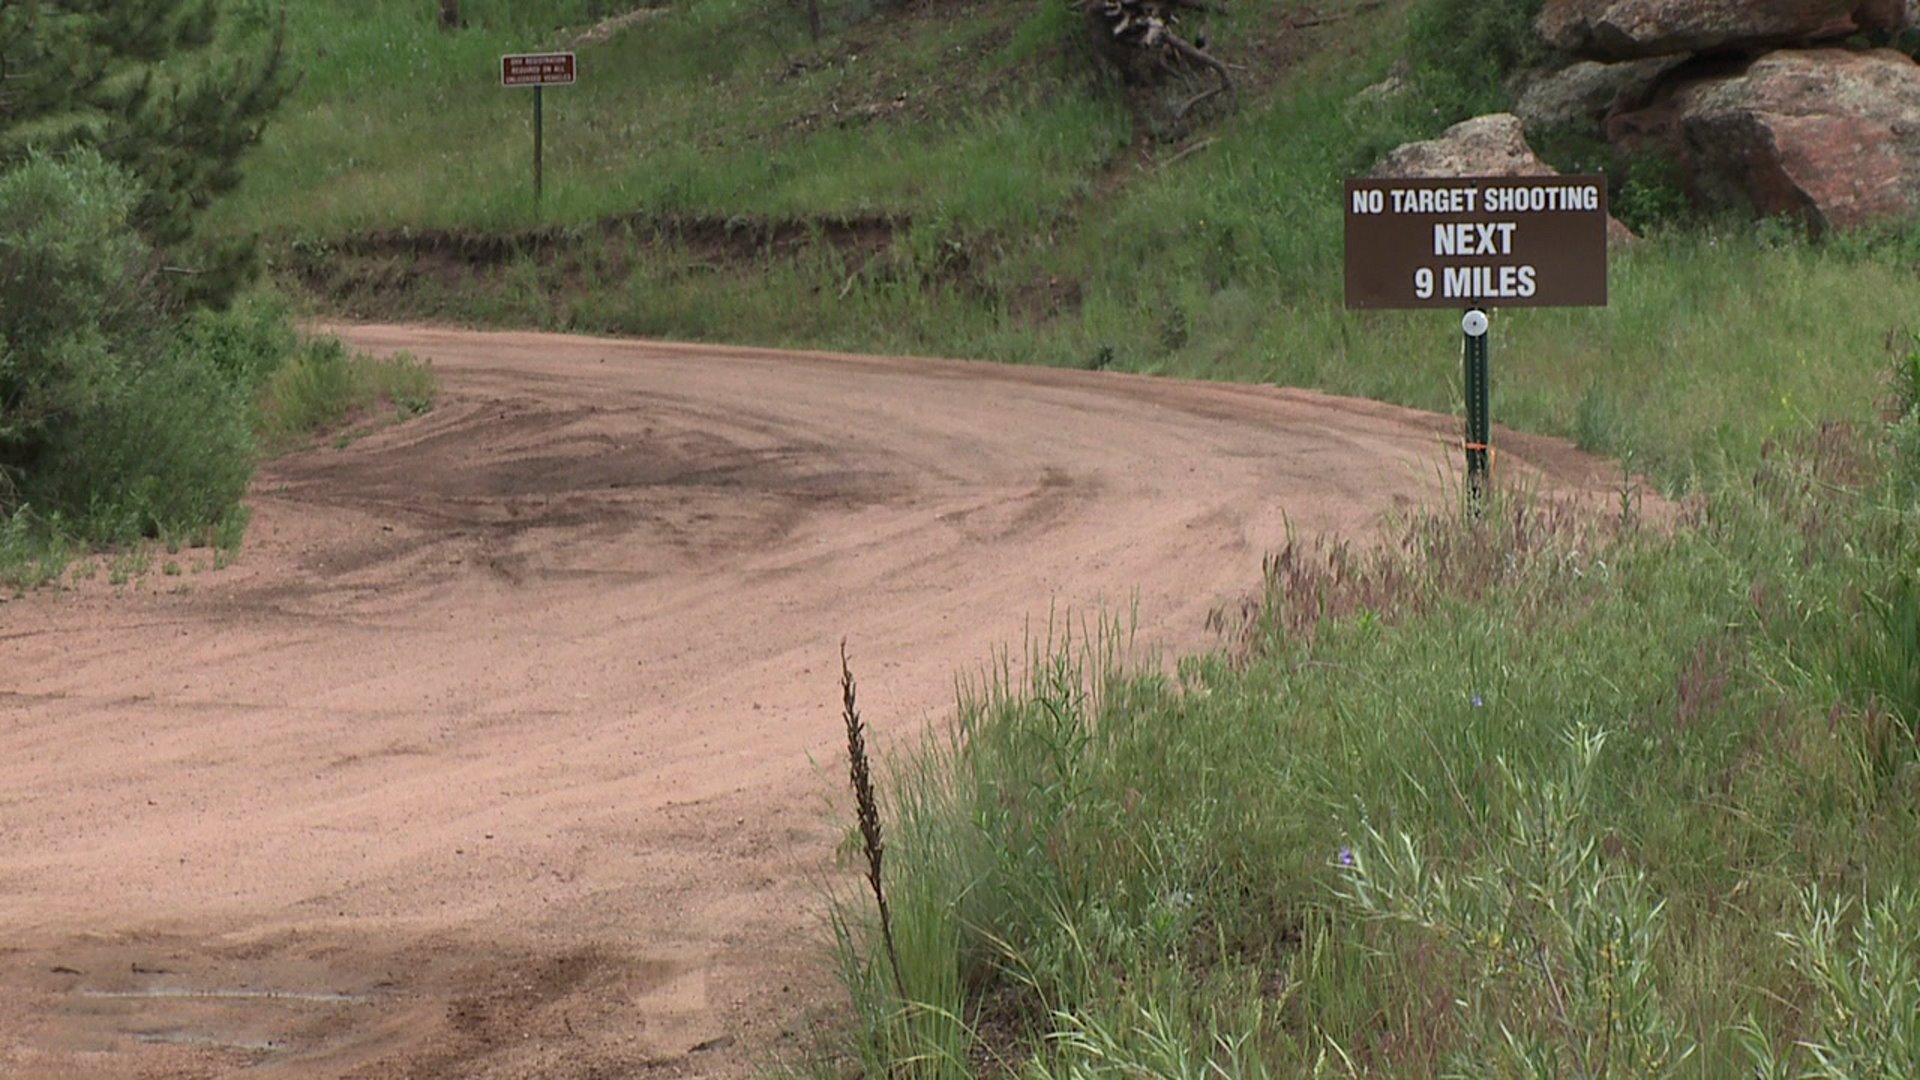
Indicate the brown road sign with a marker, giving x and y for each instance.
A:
(537, 69)
(1505, 241)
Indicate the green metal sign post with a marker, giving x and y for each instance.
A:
(538, 70)
(1474, 243)
(1479, 408)
(539, 142)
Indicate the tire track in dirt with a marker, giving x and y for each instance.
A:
(505, 748)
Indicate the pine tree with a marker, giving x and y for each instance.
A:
(142, 82)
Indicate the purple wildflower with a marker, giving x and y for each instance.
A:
(1346, 856)
(1478, 701)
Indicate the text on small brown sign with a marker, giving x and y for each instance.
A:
(537, 69)
(1460, 242)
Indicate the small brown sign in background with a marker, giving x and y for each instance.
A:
(537, 69)
(1468, 242)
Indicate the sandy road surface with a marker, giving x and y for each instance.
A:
(492, 755)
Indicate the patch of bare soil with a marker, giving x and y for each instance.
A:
(507, 747)
(611, 27)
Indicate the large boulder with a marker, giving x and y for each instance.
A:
(1633, 29)
(1829, 135)
(1580, 95)
(1491, 145)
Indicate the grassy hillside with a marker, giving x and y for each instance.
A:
(1531, 794)
(961, 180)
(717, 108)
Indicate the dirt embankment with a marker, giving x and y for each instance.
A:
(505, 750)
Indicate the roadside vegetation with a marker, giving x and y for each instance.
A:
(139, 377)
(1539, 792)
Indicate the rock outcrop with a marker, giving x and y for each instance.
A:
(1492, 145)
(1581, 95)
(1829, 135)
(1635, 29)
(1768, 106)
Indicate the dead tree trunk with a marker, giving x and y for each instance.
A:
(1144, 42)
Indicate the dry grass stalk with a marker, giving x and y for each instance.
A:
(869, 811)
(1430, 556)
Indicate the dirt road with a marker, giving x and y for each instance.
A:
(504, 748)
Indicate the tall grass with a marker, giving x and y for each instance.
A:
(323, 384)
(1527, 794)
(34, 551)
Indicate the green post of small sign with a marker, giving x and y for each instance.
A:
(1479, 407)
(539, 71)
(1474, 243)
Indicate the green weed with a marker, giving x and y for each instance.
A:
(1882, 663)
(34, 550)
(1599, 425)
(324, 384)
(130, 564)
(1557, 950)
(1464, 51)
(1866, 1018)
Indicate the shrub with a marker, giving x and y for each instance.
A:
(1563, 947)
(246, 343)
(168, 449)
(1865, 972)
(104, 415)
(1651, 192)
(1464, 50)
(323, 384)
(312, 392)
(69, 301)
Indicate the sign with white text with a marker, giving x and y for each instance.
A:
(1469, 242)
(537, 69)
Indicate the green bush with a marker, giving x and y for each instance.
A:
(105, 416)
(323, 385)
(170, 449)
(1463, 51)
(314, 391)
(1650, 191)
(246, 344)
(1866, 975)
(33, 551)
(69, 300)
